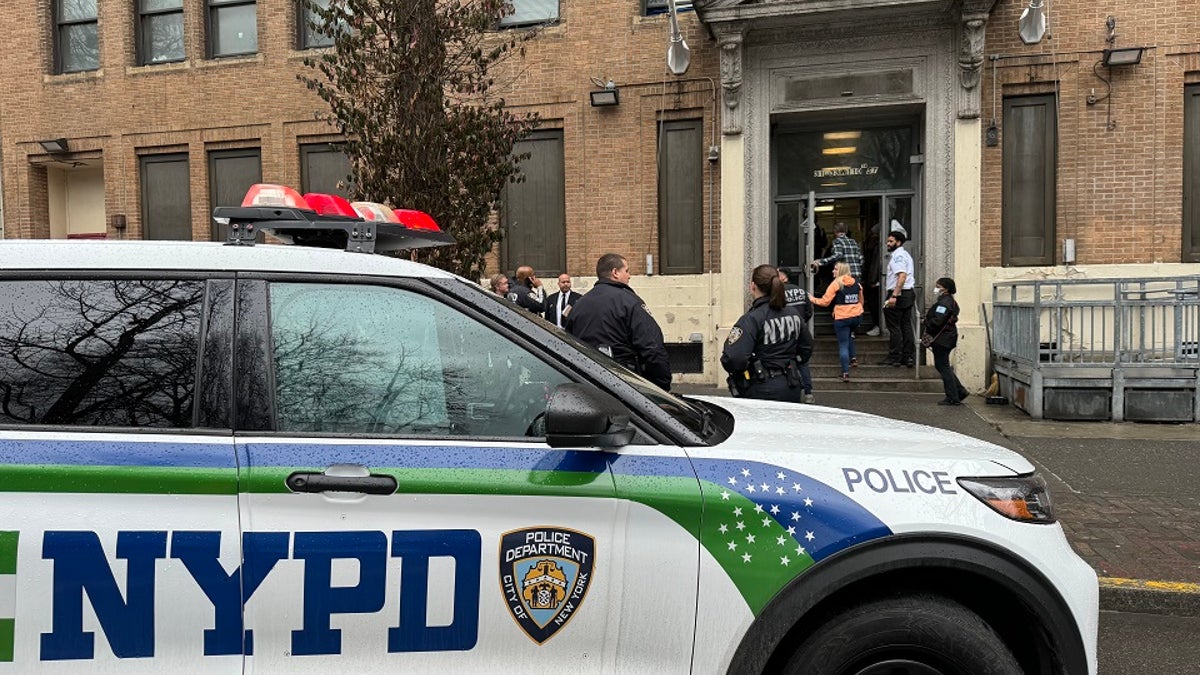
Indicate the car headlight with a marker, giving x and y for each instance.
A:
(1022, 498)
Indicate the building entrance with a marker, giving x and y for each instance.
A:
(864, 178)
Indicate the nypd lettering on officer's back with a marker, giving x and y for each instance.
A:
(782, 329)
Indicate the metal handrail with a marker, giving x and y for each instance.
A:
(1097, 322)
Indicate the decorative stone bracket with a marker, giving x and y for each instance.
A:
(731, 38)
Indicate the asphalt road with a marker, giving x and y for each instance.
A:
(1136, 644)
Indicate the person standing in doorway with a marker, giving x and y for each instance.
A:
(845, 249)
(613, 319)
(845, 293)
(872, 267)
(558, 305)
(941, 335)
(899, 306)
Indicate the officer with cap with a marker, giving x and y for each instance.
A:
(613, 319)
(768, 344)
(797, 298)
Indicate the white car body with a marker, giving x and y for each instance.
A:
(125, 545)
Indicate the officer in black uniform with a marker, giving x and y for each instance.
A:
(797, 298)
(522, 290)
(767, 345)
(613, 319)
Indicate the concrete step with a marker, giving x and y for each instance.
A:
(868, 385)
(868, 372)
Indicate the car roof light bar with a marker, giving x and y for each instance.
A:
(323, 221)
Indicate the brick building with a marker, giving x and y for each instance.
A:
(160, 117)
(867, 112)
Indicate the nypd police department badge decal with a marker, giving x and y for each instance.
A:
(545, 574)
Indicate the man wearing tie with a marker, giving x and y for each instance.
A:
(559, 304)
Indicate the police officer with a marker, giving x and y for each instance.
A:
(526, 290)
(797, 298)
(766, 346)
(613, 319)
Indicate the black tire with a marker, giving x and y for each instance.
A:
(909, 635)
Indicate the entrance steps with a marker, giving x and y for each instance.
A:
(868, 376)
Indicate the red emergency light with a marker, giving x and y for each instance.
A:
(416, 220)
(267, 194)
(330, 205)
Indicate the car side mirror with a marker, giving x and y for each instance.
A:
(580, 415)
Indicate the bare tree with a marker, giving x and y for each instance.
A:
(409, 83)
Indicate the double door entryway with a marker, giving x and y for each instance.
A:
(867, 177)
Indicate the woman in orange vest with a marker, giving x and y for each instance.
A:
(845, 293)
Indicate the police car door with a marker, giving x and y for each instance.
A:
(119, 548)
(399, 515)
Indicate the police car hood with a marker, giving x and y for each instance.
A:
(807, 429)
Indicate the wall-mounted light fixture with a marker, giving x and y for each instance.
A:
(55, 146)
(1125, 56)
(608, 95)
(1032, 25)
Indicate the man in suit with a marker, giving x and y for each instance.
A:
(558, 305)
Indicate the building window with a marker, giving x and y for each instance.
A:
(160, 31)
(534, 211)
(1191, 173)
(527, 12)
(680, 196)
(232, 27)
(77, 36)
(230, 175)
(660, 6)
(324, 169)
(166, 197)
(310, 31)
(1030, 149)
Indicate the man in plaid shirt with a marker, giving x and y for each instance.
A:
(845, 250)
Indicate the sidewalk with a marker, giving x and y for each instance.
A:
(1127, 494)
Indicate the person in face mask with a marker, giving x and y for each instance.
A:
(898, 309)
(941, 337)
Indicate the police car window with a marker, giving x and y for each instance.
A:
(114, 352)
(378, 360)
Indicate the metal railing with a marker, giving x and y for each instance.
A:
(1104, 322)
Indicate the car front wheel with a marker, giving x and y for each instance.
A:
(909, 635)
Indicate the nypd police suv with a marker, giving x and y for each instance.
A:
(267, 459)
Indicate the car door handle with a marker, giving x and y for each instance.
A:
(312, 481)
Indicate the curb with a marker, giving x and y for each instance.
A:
(1175, 598)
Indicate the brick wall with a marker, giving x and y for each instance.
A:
(1119, 187)
(123, 111)
(610, 153)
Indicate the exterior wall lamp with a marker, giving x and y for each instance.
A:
(56, 146)
(1125, 56)
(607, 96)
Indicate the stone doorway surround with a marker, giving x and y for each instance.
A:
(765, 42)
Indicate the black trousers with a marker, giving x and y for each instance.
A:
(941, 360)
(775, 389)
(901, 346)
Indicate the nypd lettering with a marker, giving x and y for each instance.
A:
(782, 329)
(917, 481)
(82, 573)
(545, 574)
